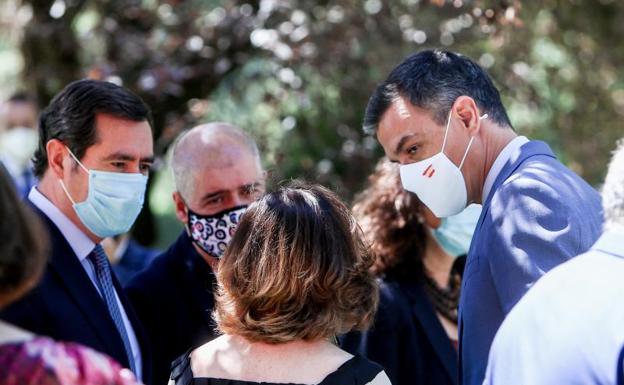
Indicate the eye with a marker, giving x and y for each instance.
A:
(215, 200)
(412, 150)
(119, 165)
(145, 168)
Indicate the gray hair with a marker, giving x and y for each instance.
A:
(613, 189)
(204, 147)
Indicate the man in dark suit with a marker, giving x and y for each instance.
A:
(95, 151)
(217, 173)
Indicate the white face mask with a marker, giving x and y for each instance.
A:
(437, 181)
(19, 144)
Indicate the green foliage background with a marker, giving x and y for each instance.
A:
(297, 74)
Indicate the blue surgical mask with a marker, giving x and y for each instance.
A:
(455, 232)
(113, 202)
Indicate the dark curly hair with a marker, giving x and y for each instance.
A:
(23, 247)
(390, 219)
(296, 269)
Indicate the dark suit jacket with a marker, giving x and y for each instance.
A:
(407, 338)
(133, 260)
(173, 298)
(66, 306)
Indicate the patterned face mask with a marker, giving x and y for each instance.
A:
(212, 233)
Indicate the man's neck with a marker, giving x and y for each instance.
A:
(496, 138)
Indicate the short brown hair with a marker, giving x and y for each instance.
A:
(296, 269)
(390, 219)
(23, 246)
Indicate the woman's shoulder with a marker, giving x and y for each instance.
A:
(197, 362)
(65, 363)
(357, 371)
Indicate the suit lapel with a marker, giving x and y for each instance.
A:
(425, 314)
(65, 265)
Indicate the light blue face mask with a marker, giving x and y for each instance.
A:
(113, 202)
(455, 232)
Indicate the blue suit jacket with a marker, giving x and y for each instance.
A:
(66, 306)
(407, 338)
(537, 215)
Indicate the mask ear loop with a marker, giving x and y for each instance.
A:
(461, 164)
(61, 181)
(76, 159)
(448, 123)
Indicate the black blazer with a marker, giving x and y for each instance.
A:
(66, 306)
(173, 298)
(407, 338)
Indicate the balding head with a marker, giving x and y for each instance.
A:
(207, 147)
(613, 189)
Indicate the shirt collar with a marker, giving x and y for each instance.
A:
(499, 163)
(78, 240)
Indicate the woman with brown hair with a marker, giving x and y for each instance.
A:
(295, 275)
(25, 358)
(419, 261)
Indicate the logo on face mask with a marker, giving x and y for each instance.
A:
(429, 171)
(212, 233)
(113, 203)
(445, 192)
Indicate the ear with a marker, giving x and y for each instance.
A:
(56, 152)
(180, 207)
(467, 110)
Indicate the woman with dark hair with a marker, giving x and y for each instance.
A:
(27, 359)
(295, 275)
(419, 260)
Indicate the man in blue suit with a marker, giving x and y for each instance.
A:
(439, 115)
(568, 329)
(95, 151)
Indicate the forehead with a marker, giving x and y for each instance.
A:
(401, 120)
(229, 174)
(122, 135)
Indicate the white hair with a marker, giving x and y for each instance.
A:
(613, 189)
(203, 147)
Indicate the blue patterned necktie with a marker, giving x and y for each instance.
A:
(105, 282)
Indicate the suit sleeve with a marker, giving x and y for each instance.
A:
(27, 313)
(533, 229)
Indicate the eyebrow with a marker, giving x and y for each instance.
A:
(128, 158)
(402, 143)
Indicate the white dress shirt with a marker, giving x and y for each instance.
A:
(82, 246)
(499, 163)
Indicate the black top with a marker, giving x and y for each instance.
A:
(174, 300)
(356, 371)
(407, 338)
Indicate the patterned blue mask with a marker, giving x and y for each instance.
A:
(212, 233)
